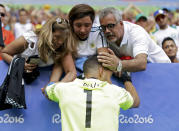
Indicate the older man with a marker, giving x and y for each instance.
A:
(127, 39)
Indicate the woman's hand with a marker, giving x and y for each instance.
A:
(29, 67)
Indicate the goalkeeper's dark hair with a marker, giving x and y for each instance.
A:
(91, 65)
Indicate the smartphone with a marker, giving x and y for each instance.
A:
(33, 59)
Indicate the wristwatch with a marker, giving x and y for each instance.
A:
(119, 67)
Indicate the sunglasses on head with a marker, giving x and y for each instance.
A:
(60, 20)
(2, 14)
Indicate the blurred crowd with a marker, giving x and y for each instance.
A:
(37, 17)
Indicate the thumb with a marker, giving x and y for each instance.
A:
(110, 51)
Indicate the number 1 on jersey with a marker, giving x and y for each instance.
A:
(88, 108)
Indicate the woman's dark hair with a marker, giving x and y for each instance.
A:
(80, 11)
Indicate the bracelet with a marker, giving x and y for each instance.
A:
(119, 67)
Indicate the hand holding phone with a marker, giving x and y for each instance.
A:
(33, 60)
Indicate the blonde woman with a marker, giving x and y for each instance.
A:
(53, 44)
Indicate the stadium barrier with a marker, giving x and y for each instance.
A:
(157, 87)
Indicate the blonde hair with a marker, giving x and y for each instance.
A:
(45, 35)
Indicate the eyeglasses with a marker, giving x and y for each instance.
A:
(2, 14)
(109, 26)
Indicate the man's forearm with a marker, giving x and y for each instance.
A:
(133, 65)
(139, 63)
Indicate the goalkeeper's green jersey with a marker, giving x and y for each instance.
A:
(90, 104)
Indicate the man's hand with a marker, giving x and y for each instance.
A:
(109, 60)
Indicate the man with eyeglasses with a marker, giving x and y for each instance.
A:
(127, 39)
(165, 30)
(7, 36)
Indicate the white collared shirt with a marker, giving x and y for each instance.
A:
(89, 46)
(136, 41)
(95, 40)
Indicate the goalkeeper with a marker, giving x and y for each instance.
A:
(94, 103)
